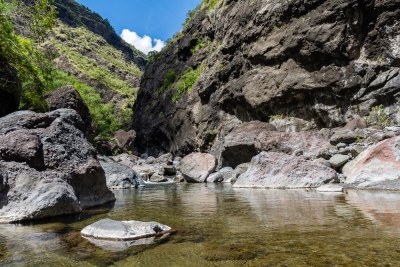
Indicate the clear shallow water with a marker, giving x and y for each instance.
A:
(221, 226)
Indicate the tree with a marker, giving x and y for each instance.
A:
(33, 66)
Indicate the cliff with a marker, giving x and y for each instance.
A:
(324, 62)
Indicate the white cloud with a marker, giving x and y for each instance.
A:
(144, 44)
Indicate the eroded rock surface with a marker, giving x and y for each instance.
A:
(48, 166)
(376, 164)
(278, 170)
(325, 62)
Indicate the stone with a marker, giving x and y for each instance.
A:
(150, 160)
(292, 124)
(107, 229)
(164, 159)
(338, 160)
(118, 175)
(326, 152)
(68, 177)
(241, 168)
(301, 143)
(395, 129)
(196, 167)
(330, 188)
(177, 159)
(69, 97)
(358, 123)
(126, 140)
(239, 144)
(378, 163)
(105, 147)
(169, 169)
(346, 136)
(158, 178)
(377, 137)
(215, 177)
(227, 174)
(22, 146)
(341, 145)
(278, 170)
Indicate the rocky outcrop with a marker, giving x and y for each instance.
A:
(294, 143)
(278, 170)
(196, 167)
(376, 164)
(48, 166)
(325, 62)
(68, 97)
(125, 139)
(238, 146)
(119, 176)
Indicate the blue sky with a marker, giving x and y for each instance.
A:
(158, 19)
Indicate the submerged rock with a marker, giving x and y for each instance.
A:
(196, 167)
(375, 164)
(123, 231)
(278, 170)
(330, 188)
(48, 166)
(118, 175)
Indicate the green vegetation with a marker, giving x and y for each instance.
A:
(191, 14)
(201, 43)
(378, 116)
(185, 82)
(33, 66)
(154, 56)
(210, 3)
(279, 117)
(169, 79)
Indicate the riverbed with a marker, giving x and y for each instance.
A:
(217, 225)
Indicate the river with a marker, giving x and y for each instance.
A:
(217, 225)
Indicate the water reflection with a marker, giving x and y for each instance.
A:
(381, 207)
(221, 226)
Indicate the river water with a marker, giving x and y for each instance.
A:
(217, 225)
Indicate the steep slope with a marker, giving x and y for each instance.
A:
(323, 61)
(89, 49)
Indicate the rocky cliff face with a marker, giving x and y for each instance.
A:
(321, 61)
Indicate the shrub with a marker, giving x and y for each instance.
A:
(378, 116)
(186, 81)
(154, 56)
(169, 79)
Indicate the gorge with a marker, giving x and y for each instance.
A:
(265, 133)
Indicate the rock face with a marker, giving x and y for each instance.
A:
(196, 167)
(68, 97)
(376, 164)
(48, 166)
(125, 140)
(119, 176)
(304, 143)
(10, 90)
(278, 170)
(238, 146)
(125, 230)
(322, 61)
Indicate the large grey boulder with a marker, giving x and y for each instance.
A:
(118, 175)
(48, 166)
(124, 231)
(278, 170)
(338, 160)
(239, 144)
(196, 167)
(69, 97)
(375, 164)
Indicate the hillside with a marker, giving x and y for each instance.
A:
(95, 57)
(321, 62)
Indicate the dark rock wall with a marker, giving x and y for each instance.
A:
(324, 61)
(10, 89)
